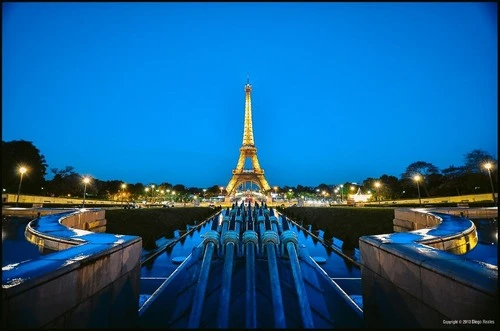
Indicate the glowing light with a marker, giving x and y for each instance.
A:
(22, 171)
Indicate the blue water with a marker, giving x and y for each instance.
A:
(156, 270)
(486, 249)
(15, 247)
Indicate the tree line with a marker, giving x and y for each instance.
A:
(470, 178)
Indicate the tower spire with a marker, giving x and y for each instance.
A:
(248, 126)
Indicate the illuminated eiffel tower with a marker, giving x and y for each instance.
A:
(247, 150)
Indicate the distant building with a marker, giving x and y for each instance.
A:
(359, 196)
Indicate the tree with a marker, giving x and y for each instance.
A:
(67, 182)
(476, 179)
(475, 160)
(180, 188)
(305, 189)
(434, 182)
(421, 168)
(369, 184)
(60, 184)
(391, 187)
(19, 153)
(453, 180)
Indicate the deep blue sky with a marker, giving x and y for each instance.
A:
(153, 92)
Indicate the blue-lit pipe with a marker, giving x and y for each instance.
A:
(274, 225)
(230, 241)
(237, 228)
(261, 227)
(305, 308)
(225, 224)
(250, 244)
(251, 300)
(270, 239)
(250, 235)
(225, 294)
(279, 314)
(199, 296)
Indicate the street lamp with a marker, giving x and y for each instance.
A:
(22, 170)
(86, 180)
(352, 188)
(488, 166)
(341, 193)
(417, 179)
(123, 191)
(377, 185)
(152, 193)
(221, 188)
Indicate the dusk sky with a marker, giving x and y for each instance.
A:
(154, 92)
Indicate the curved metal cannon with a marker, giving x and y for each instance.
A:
(250, 271)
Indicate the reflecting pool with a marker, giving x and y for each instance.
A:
(486, 249)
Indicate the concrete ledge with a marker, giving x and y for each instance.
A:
(411, 279)
(92, 282)
(33, 212)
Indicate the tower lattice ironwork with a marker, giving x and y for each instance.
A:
(248, 150)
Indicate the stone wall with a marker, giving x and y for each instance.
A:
(409, 284)
(409, 219)
(94, 283)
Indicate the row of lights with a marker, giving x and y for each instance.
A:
(487, 165)
(417, 178)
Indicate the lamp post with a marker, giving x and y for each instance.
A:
(221, 188)
(86, 180)
(341, 193)
(417, 179)
(377, 185)
(352, 188)
(152, 193)
(488, 166)
(123, 191)
(22, 170)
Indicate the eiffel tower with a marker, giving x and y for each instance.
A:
(247, 150)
